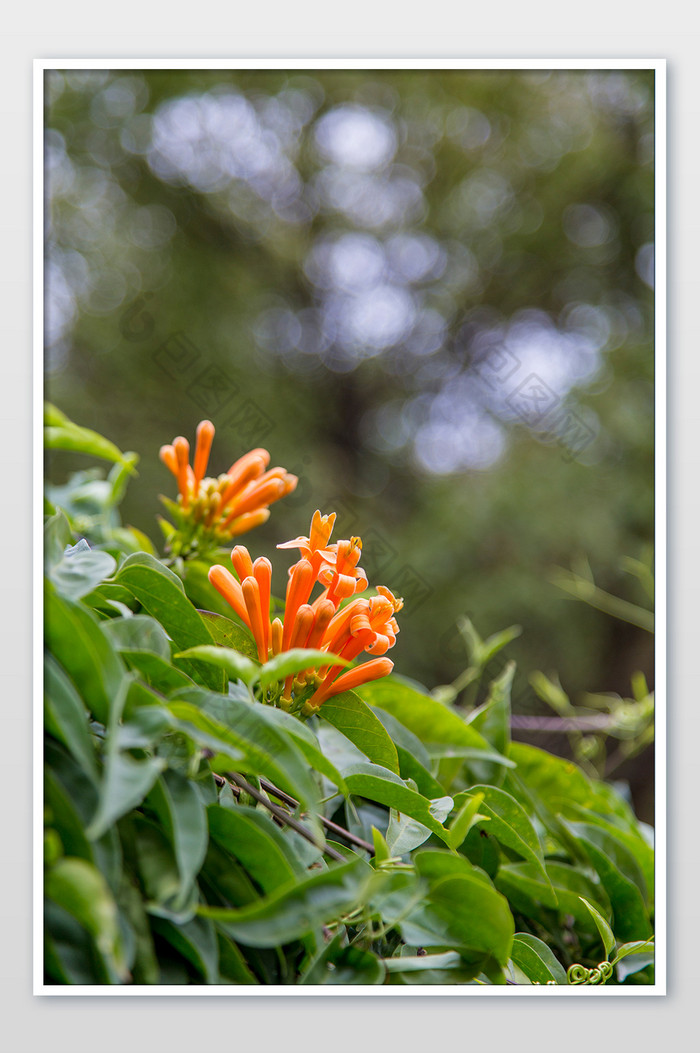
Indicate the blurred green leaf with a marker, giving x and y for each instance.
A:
(74, 637)
(77, 887)
(293, 912)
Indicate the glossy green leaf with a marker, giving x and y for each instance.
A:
(228, 633)
(69, 436)
(349, 966)
(74, 637)
(294, 661)
(254, 840)
(381, 785)
(234, 664)
(469, 910)
(632, 840)
(444, 968)
(156, 671)
(127, 781)
(606, 933)
(636, 947)
(510, 824)
(160, 592)
(536, 960)
(353, 718)
(239, 733)
(630, 918)
(551, 777)
(404, 833)
(306, 741)
(467, 814)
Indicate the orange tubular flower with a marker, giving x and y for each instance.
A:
(213, 510)
(320, 624)
(340, 573)
(348, 681)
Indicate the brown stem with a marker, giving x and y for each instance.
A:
(328, 823)
(285, 817)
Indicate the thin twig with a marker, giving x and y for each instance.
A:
(594, 722)
(285, 817)
(328, 823)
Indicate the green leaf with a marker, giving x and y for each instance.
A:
(403, 738)
(353, 718)
(381, 848)
(66, 717)
(293, 661)
(232, 965)
(428, 719)
(79, 889)
(536, 960)
(57, 537)
(234, 664)
(493, 718)
(381, 785)
(73, 635)
(606, 933)
(228, 633)
(126, 783)
(237, 731)
(633, 841)
(299, 910)
(157, 672)
(465, 818)
(254, 840)
(344, 966)
(525, 887)
(307, 742)
(80, 570)
(161, 593)
(138, 633)
(404, 834)
(82, 440)
(636, 947)
(446, 968)
(551, 777)
(184, 819)
(196, 941)
(509, 824)
(469, 911)
(614, 866)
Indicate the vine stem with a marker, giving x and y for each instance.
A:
(328, 823)
(284, 817)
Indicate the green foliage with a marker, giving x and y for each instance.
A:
(198, 834)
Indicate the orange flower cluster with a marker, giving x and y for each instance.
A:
(361, 625)
(232, 503)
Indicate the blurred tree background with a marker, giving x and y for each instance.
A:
(427, 293)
